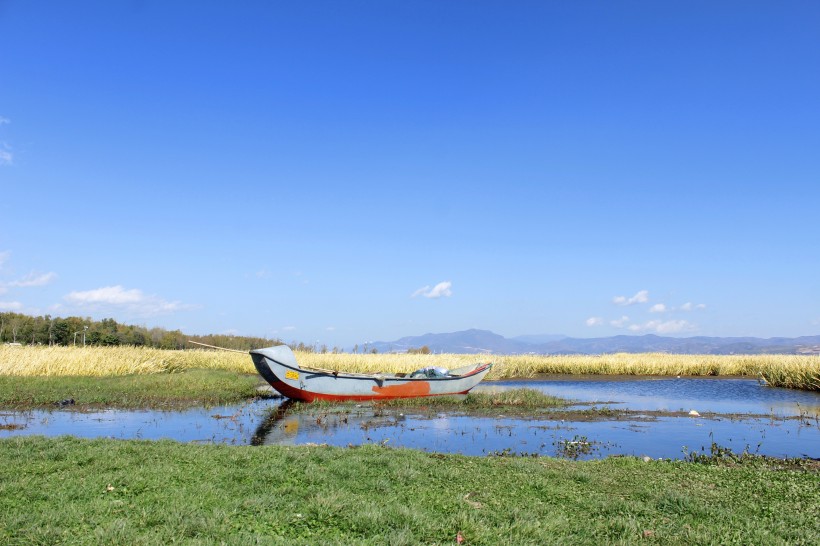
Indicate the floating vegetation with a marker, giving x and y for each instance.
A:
(11, 426)
(573, 449)
(724, 456)
(515, 398)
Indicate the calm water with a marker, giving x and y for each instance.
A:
(674, 394)
(760, 425)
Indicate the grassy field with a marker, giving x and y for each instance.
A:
(70, 491)
(794, 371)
(194, 387)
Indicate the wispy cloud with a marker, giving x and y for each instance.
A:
(594, 321)
(10, 305)
(6, 157)
(689, 306)
(131, 301)
(621, 322)
(658, 308)
(4, 256)
(33, 279)
(441, 290)
(664, 327)
(641, 297)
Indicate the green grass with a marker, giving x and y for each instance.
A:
(529, 399)
(161, 390)
(71, 491)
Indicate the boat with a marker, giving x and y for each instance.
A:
(278, 366)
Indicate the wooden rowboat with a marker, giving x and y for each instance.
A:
(279, 368)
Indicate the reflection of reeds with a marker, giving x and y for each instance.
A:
(794, 371)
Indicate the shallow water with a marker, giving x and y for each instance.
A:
(777, 422)
(716, 395)
(664, 437)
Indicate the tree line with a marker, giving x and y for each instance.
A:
(48, 330)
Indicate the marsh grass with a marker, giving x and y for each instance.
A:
(525, 399)
(71, 491)
(794, 371)
(44, 361)
(160, 391)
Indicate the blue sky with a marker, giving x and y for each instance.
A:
(357, 171)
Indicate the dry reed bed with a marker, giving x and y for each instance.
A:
(796, 371)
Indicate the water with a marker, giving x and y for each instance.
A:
(776, 422)
(674, 394)
(664, 437)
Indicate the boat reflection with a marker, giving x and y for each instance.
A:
(276, 420)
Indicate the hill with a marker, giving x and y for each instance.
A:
(484, 341)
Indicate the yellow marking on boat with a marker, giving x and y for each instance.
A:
(290, 374)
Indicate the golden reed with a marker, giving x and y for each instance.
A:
(795, 371)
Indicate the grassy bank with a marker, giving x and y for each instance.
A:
(70, 491)
(525, 400)
(794, 371)
(161, 391)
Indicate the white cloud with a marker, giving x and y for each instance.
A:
(689, 306)
(641, 297)
(10, 305)
(594, 321)
(442, 289)
(621, 322)
(658, 308)
(34, 280)
(131, 301)
(113, 295)
(4, 256)
(331, 329)
(6, 157)
(664, 327)
(289, 328)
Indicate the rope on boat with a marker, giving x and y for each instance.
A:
(219, 348)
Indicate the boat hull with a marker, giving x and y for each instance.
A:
(277, 365)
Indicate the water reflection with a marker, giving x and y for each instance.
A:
(777, 422)
(656, 437)
(224, 425)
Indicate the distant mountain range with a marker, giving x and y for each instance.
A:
(484, 341)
